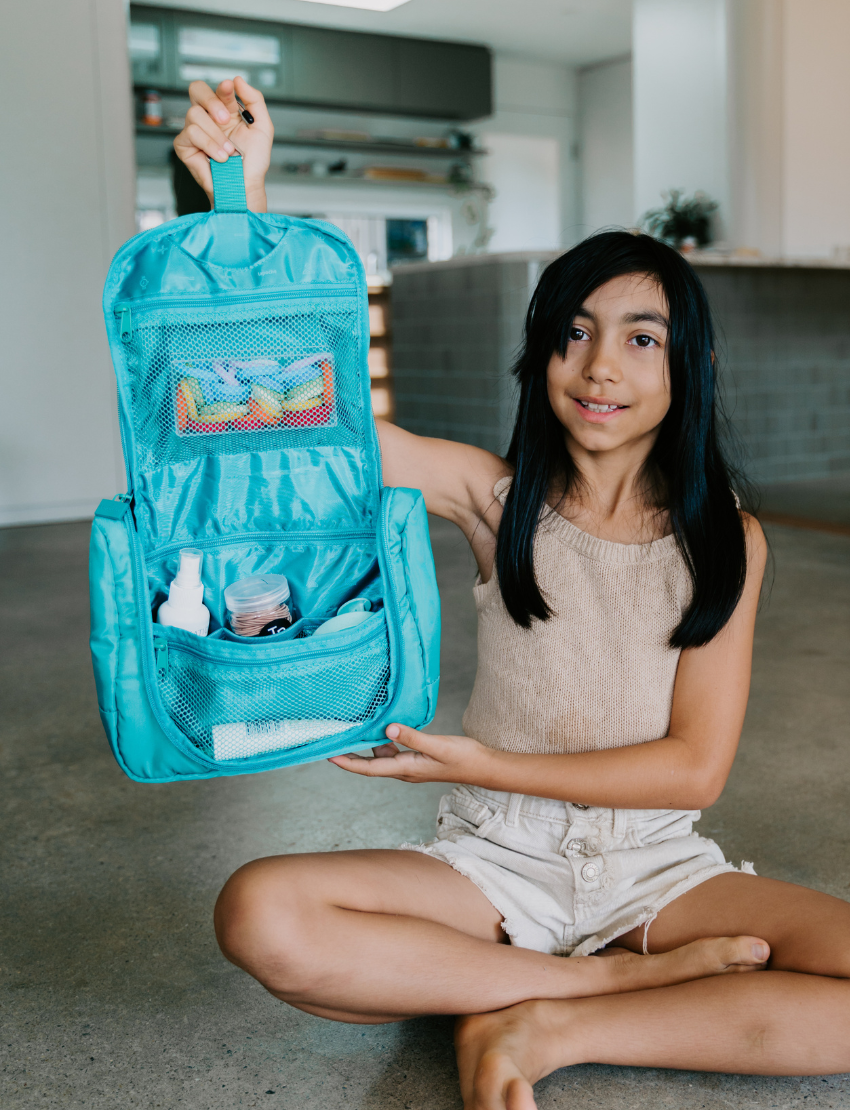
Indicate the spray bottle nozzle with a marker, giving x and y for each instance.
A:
(185, 606)
(189, 574)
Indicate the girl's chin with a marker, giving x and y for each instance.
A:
(597, 437)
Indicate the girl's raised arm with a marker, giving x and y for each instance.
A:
(456, 480)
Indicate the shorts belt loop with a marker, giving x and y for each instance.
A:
(512, 815)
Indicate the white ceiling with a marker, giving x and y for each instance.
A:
(579, 32)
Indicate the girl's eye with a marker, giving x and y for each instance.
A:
(643, 341)
(577, 334)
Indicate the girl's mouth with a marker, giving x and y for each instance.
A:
(597, 413)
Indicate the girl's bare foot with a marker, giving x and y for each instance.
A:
(500, 1056)
(627, 971)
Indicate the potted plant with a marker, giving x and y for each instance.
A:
(683, 222)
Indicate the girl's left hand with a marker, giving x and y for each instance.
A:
(215, 129)
(433, 759)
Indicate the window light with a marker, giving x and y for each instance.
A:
(371, 5)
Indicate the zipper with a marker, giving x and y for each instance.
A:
(199, 653)
(160, 651)
(264, 537)
(391, 603)
(125, 322)
(124, 309)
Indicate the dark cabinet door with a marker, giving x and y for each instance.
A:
(443, 79)
(340, 68)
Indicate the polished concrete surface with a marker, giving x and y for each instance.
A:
(112, 989)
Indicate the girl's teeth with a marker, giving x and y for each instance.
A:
(598, 408)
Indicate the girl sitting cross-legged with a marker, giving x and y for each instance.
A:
(617, 594)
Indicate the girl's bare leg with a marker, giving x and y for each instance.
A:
(376, 936)
(793, 1020)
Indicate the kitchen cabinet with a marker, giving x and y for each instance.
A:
(311, 66)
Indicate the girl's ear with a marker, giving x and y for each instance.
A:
(712, 358)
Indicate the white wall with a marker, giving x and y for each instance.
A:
(536, 182)
(816, 140)
(605, 144)
(748, 100)
(525, 213)
(66, 204)
(755, 150)
(680, 100)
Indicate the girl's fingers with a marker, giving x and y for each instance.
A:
(419, 741)
(385, 750)
(400, 766)
(355, 763)
(194, 138)
(226, 93)
(199, 117)
(253, 100)
(200, 93)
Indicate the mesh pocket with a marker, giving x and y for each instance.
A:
(217, 395)
(234, 710)
(226, 380)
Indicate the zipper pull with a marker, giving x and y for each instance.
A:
(125, 322)
(160, 651)
(125, 497)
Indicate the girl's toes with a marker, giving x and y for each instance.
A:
(519, 1095)
(500, 1085)
(743, 953)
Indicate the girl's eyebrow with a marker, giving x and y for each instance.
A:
(646, 318)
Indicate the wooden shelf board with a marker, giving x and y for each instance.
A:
(405, 149)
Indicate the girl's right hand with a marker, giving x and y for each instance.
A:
(214, 129)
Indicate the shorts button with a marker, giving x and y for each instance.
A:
(590, 872)
(577, 846)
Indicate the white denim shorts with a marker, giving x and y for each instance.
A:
(566, 878)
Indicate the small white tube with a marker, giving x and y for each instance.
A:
(241, 739)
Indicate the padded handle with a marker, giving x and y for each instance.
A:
(229, 185)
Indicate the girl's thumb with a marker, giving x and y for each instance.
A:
(404, 735)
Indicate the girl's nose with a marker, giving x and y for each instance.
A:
(602, 366)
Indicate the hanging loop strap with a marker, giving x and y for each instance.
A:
(229, 185)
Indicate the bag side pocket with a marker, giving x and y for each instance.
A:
(407, 563)
(142, 749)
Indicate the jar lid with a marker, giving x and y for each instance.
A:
(256, 593)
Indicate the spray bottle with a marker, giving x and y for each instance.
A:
(185, 606)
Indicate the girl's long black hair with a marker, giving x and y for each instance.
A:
(686, 466)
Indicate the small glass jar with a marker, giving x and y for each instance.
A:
(259, 605)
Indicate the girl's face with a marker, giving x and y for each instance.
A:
(613, 388)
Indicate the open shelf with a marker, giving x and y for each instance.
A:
(274, 176)
(401, 147)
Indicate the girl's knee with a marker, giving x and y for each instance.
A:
(260, 920)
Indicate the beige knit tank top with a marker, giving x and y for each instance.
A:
(599, 673)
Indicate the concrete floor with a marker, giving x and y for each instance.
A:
(113, 991)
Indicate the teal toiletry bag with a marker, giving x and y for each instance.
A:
(240, 347)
